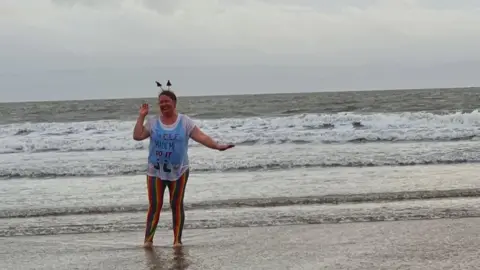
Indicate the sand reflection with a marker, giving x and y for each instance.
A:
(174, 259)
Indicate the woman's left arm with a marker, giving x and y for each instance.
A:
(202, 138)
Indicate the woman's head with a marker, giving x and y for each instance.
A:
(167, 100)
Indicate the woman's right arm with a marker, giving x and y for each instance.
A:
(140, 133)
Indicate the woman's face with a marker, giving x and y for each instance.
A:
(167, 105)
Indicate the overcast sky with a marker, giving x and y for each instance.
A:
(82, 49)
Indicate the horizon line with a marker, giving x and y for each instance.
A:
(257, 94)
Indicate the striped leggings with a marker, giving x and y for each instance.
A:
(156, 189)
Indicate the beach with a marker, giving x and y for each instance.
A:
(424, 244)
(347, 180)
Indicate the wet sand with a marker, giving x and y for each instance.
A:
(423, 244)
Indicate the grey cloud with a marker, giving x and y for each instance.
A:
(88, 3)
(164, 6)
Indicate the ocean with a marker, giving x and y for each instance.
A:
(72, 167)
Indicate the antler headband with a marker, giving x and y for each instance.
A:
(161, 87)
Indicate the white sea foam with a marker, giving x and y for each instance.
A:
(297, 129)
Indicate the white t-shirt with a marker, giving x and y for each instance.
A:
(168, 149)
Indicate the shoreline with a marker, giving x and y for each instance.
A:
(419, 244)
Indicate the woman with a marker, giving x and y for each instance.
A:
(168, 164)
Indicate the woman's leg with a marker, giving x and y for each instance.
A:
(156, 189)
(177, 192)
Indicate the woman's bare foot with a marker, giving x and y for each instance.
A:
(148, 245)
(176, 245)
